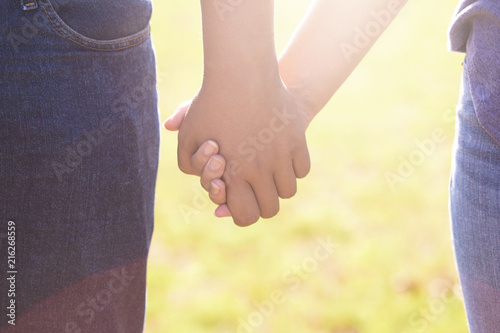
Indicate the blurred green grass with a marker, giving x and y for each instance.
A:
(392, 269)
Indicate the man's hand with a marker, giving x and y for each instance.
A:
(313, 66)
(244, 107)
(261, 132)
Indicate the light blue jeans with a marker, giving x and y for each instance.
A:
(475, 215)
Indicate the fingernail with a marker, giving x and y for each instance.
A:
(210, 148)
(215, 164)
(215, 189)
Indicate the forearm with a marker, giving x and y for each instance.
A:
(333, 38)
(238, 41)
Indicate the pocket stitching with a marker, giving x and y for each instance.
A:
(94, 41)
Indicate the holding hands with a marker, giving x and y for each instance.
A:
(261, 133)
(244, 131)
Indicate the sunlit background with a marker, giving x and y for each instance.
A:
(377, 192)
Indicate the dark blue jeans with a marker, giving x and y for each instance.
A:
(79, 138)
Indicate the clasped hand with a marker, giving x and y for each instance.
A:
(260, 129)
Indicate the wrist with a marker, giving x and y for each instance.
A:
(244, 74)
(242, 62)
(241, 46)
(303, 94)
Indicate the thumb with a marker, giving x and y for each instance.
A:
(173, 123)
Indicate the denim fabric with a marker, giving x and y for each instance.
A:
(475, 215)
(79, 138)
(475, 29)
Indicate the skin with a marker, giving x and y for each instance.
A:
(244, 81)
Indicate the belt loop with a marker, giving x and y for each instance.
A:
(29, 5)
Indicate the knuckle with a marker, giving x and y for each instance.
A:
(217, 199)
(196, 166)
(193, 165)
(205, 183)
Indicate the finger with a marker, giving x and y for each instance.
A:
(222, 211)
(241, 202)
(302, 161)
(267, 197)
(286, 182)
(173, 123)
(185, 152)
(200, 159)
(217, 192)
(213, 169)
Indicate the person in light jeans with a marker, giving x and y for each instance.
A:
(246, 183)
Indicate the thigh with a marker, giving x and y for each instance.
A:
(475, 215)
(78, 157)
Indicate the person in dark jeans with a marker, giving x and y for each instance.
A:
(79, 139)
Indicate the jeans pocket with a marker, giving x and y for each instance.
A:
(100, 25)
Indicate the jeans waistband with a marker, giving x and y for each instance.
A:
(27, 5)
